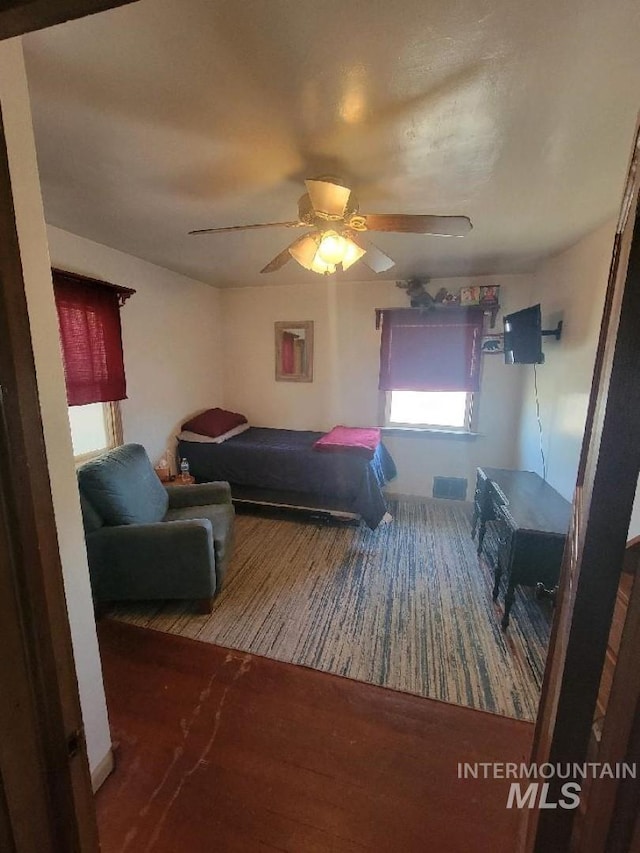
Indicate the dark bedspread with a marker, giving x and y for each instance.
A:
(283, 460)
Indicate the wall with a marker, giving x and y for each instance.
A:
(570, 286)
(46, 350)
(169, 325)
(170, 334)
(344, 389)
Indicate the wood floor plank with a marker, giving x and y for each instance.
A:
(226, 751)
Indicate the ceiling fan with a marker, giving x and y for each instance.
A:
(331, 210)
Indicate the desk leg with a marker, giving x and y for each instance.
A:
(508, 601)
(483, 530)
(497, 574)
(474, 522)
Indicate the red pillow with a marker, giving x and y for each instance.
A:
(214, 422)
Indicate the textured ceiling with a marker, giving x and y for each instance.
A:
(171, 115)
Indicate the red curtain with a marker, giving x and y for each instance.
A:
(436, 350)
(91, 340)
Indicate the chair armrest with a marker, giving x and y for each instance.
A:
(200, 494)
(161, 540)
(171, 559)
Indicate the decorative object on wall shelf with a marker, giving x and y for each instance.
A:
(294, 351)
(470, 295)
(417, 292)
(492, 344)
(446, 297)
(487, 296)
(490, 295)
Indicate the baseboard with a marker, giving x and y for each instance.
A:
(412, 499)
(102, 770)
(418, 499)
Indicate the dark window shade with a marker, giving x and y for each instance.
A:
(91, 340)
(436, 350)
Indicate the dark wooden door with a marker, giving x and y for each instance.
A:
(609, 806)
(606, 483)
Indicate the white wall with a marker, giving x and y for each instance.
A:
(171, 335)
(346, 362)
(171, 338)
(46, 350)
(570, 286)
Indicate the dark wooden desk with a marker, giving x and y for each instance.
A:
(532, 521)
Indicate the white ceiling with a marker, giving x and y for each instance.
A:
(171, 115)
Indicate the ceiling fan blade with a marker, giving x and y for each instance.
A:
(278, 262)
(295, 224)
(443, 226)
(374, 258)
(328, 198)
(283, 257)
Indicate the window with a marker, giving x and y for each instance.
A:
(430, 366)
(436, 409)
(95, 428)
(430, 351)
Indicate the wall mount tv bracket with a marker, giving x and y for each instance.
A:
(555, 333)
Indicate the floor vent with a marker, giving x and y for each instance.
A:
(453, 488)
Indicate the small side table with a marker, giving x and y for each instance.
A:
(179, 480)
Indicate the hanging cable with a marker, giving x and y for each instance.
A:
(535, 385)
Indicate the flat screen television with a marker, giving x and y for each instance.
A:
(523, 337)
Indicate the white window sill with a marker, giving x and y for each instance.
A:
(433, 432)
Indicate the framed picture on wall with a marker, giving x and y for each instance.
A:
(294, 351)
(492, 344)
(469, 295)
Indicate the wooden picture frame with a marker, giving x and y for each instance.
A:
(294, 350)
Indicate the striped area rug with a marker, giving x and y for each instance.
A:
(407, 606)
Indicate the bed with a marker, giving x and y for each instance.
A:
(280, 467)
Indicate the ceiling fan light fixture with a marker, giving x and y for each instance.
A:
(336, 249)
(352, 254)
(321, 266)
(332, 248)
(304, 251)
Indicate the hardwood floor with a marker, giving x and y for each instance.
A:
(219, 750)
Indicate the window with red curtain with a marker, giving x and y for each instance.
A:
(91, 338)
(436, 350)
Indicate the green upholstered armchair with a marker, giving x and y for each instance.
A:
(145, 541)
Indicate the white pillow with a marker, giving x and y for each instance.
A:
(185, 435)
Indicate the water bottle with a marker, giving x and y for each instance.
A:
(184, 469)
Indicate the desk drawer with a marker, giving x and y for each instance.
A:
(537, 558)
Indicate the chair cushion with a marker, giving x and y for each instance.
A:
(123, 488)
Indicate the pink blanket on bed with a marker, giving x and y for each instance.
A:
(359, 440)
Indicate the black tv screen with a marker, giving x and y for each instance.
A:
(523, 337)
